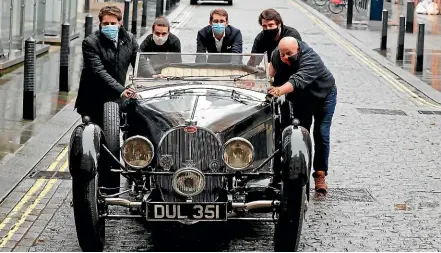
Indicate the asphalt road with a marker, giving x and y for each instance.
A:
(384, 170)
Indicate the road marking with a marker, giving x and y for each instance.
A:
(64, 166)
(183, 20)
(58, 159)
(35, 187)
(370, 63)
(28, 210)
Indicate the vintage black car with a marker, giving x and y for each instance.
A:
(195, 2)
(203, 142)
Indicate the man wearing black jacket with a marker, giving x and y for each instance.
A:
(273, 31)
(107, 54)
(219, 37)
(300, 73)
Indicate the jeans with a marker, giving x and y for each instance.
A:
(307, 106)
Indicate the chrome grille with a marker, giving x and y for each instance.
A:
(197, 150)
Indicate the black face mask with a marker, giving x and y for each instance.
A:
(271, 34)
(293, 59)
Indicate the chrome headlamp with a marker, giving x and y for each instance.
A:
(238, 153)
(137, 151)
(188, 181)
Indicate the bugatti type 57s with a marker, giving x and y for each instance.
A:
(202, 143)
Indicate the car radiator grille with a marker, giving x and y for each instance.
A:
(198, 150)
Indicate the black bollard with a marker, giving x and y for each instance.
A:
(86, 5)
(29, 109)
(126, 14)
(88, 26)
(350, 12)
(167, 5)
(64, 58)
(159, 8)
(383, 45)
(420, 49)
(144, 13)
(410, 16)
(134, 16)
(400, 44)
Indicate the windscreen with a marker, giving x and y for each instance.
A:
(248, 71)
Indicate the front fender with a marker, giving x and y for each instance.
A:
(84, 151)
(296, 154)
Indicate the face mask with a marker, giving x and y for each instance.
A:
(159, 40)
(293, 58)
(271, 33)
(218, 28)
(110, 31)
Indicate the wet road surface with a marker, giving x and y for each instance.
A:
(383, 177)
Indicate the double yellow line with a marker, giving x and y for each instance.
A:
(48, 184)
(370, 63)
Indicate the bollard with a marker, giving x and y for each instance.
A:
(409, 16)
(64, 58)
(159, 8)
(384, 30)
(29, 109)
(88, 26)
(400, 44)
(167, 5)
(350, 12)
(86, 5)
(420, 49)
(144, 13)
(134, 16)
(126, 14)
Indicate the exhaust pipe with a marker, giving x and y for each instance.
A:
(122, 202)
(255, 205)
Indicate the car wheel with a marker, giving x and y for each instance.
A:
(292, 212)
(193, 2)
(89, 226)
(111, 130)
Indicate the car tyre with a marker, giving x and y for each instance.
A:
(193, 2)
(292, 212)
(89, 226)
(111, 130)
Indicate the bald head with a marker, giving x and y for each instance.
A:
(288, 42)
(288, 46)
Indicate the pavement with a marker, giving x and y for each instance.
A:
(368, 34)
(384, 171)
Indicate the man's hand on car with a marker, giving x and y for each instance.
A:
(129, 93)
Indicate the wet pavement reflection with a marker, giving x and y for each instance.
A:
(369, 32)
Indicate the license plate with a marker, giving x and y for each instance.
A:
(186, 211)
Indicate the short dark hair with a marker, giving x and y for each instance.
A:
(161, 21)
(110, 10)
(220, 12)
(270, 14)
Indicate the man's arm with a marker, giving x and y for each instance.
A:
(255, 60)
(176, 48)
(93, 61)
(237, 46)
(311, 67)
(200, 48)
(144, 68)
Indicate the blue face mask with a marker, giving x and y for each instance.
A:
(218, 28)
(110, 31)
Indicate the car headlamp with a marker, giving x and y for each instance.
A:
(188, 182)
(137, 151)
(238, 153)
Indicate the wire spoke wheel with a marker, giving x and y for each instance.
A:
(320, 2)
(336, 6)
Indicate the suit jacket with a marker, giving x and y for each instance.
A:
(232, 43)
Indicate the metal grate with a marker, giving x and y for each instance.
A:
(344, 194)
(381, 111)
(430, 112)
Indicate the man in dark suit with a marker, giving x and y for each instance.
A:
(219, 37)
